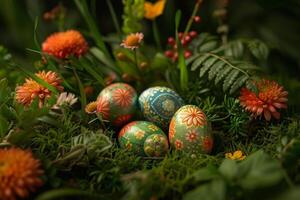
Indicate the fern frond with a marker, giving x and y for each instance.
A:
(232, 73)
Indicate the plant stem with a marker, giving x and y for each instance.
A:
(156, 34)
(81, 90)
(136, 61)
(83, 8)
(190, 22)
(114, 17)
(228, 63)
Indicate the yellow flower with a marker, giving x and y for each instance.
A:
(237, 155)
(91, 108)
(153, 10)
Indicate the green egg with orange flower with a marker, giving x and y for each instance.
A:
(117, 103)
(143, 139)
(189, 131)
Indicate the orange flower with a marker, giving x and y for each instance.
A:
(19, 173)
(153, 10)
(65, 44)
(271, 97)
(91, 107)
(133, 41)
(193, 117)
(26, 93)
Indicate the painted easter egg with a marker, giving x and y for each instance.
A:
(117, 103)
(144, 139)
(158, 105)
(189, 131)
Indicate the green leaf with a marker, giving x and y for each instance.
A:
(216, 68)
(207, 47)
(160, 61)
(207, 64)
(238, 83)
(230, 78)
(229, 169)
(235, 49)
(198, 62)
(215, 190)
(222, 74)
(181, 60)
(259, 170)
(206, 174)
(63, 193)
(259, 49)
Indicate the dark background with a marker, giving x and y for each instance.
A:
(276, 22)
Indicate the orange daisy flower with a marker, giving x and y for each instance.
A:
(193, 117)
(103, 107)
(26, 93)
(271, 97)
(19, 173)
(192, 136)
(91, 108)
(153, 10)
(65, 44)
(123, 97)
(133, 41)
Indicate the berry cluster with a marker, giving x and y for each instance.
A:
(185, 41)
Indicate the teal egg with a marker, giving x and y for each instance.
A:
(117, 103)
(158, 105)
(189, 131)
(144, 139)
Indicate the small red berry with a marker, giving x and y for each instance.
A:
(180, 34)
(175, 57)
(169, 53)
(187, 38)
(193, 34)
(171, 41)
(187, 53)
(197, 19)
(183, 42)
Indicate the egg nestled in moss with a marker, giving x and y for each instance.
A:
(144, 139)
(189, 131)
(158, 105)
(117, 103)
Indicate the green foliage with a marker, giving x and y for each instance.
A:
(226, 63)
(256, 172)
(133, 13)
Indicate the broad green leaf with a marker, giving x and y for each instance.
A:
(215, 190)
(229, 169)
(259, 170)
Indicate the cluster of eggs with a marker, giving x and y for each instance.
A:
(164, 109)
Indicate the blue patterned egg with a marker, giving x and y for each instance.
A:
(117, 103)
(189, 131)
(158, 105)
(144, 139)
